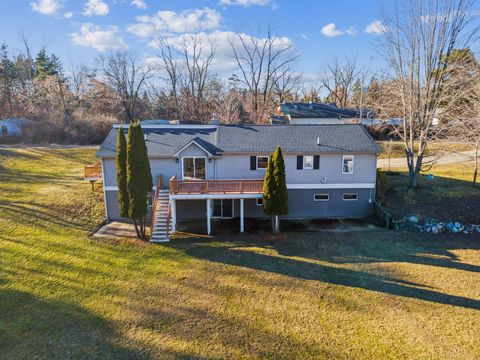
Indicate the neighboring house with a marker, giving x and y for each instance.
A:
(13, 127)
(217, 171)
(319, 113)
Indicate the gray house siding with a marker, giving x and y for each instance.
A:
(238, 167)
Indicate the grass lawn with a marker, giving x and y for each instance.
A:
(368, 294)
(398, 149)
(449, 196)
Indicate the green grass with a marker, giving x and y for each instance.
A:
(398, 148)
(63, 294)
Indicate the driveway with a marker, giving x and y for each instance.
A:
(450, 158)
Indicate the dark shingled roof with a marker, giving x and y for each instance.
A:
(320, 110)
(340, 138)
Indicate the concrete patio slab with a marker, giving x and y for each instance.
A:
(116, 229)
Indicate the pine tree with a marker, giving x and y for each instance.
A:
(275, 196)
(121, 163)
(139, 179)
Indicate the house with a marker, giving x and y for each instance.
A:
(13, 127)
(318, 113)
(216, 171)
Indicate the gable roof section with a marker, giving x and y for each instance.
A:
(197, 141)
(168, 141)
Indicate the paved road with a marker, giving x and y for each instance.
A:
(450, 158)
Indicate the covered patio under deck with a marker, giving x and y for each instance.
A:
(211, 190)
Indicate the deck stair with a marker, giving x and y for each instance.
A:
(161, 225)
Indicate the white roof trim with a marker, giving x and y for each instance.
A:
(190, 143)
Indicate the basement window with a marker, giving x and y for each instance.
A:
(349, 197)
(321, 197)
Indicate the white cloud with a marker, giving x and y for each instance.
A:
(245, 3)
(190, 20)
(96, 7)
(139, 4)
(375, 27)
(306, 36)
(330, 30)
(223, 61)
(68, 15)
(46, 7)
(100, 39)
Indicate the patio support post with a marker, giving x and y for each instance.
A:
(242, 209)
(173, 209)
(209, 215)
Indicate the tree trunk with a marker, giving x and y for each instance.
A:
(277, 224)
(136, 228)
(475, 163)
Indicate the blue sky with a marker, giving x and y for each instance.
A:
(80, 30)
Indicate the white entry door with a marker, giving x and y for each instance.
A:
(222, 208)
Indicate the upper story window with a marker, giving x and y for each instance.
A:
(262, 162)
(308, 162)
(194, 168)
(347, 164)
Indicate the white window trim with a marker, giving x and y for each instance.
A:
(327, 199)
(262, 156)
(343, 163)
(343, 196)
(257, 202)
(313, 162)
(194, 157)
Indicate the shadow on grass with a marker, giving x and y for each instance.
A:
(31, 327)
(239, 254)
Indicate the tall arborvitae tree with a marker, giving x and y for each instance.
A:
(268, 186)
(138, 181)
(275, 196)
(121, 162)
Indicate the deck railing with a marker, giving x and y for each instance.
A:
(215, 186)
(93, 171)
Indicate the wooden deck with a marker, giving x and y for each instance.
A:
(215, 186)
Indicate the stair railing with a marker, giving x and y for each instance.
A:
(155, 203)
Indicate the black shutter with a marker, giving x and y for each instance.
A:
(253, 163)
(299, 162)
(316, 162)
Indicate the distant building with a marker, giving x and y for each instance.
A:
(13, 127)
(319, 113)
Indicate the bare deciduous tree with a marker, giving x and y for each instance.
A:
(418, 35)
(260, 60)
(197, 53)
(173, 67)
(338, 80)
(123, 72)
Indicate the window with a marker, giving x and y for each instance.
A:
(347, 165)
(259, 201)
(321, 197)
(350, 197)
(308, 162)
(194, 168)
(262, 162)
(150, 200)
(222, 208)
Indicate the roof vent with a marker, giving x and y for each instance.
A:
(214, 120)
(318, 140)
